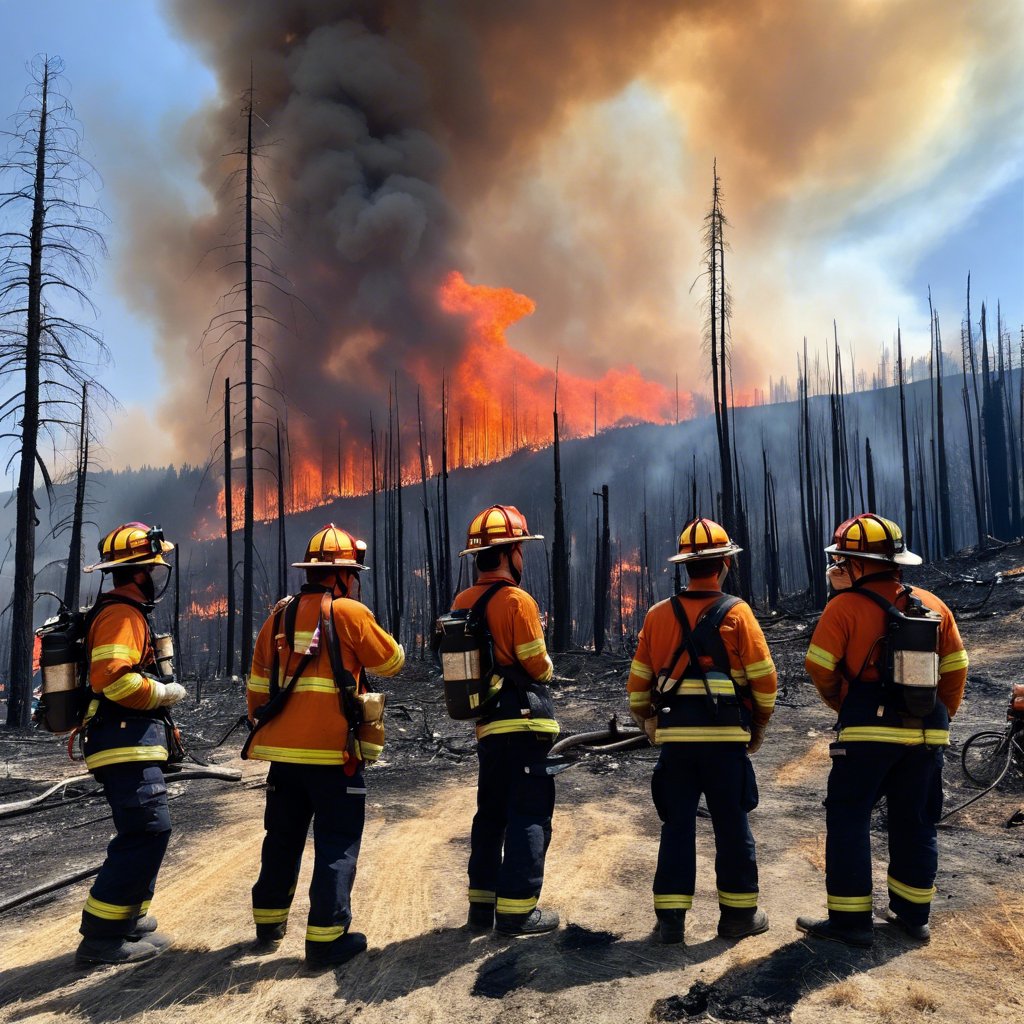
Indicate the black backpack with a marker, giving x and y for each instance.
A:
(465, 648)
(909, 666)
(64, 665)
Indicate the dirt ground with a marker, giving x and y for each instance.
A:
(602, 965)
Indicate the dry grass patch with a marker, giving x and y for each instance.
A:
(812, 850)
(812, 763)
(846, 993)
(921, 999)
(977, 935)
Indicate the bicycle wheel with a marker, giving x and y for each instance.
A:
(984, 756)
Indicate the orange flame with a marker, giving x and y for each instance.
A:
(501, 402)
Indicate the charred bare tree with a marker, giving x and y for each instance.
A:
(373, 506)
(282, 543)
(444, 522)
(47, 254)
(995, 442)
(602, 571)
(941, 467)
(908, 492)
(76, 519)
(870, 470)
(717, 332)
(431, 573)
(772, 565)
(562, 627)
(229, 535)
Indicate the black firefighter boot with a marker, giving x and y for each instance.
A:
(860, 935)
(481, 917)
(336, 953)
(534, 923)
(270, 936)
(739, 922)
(671, 925)
(95, 950)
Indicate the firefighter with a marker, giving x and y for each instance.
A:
(702, 685)
(880, 751)
(127, 738)
(303, 698)
(515, 793)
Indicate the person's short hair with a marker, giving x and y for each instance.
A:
(702, 568)
(489, 560)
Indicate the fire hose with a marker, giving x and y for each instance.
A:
(1011, 748)
(36, 804)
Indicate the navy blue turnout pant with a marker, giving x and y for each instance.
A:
(512, 826)
(124, 887)
(910, 778)
(724, 774)
(335, 803)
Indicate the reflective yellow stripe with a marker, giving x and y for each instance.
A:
(315, 684)
(850, 904)
(640, 670)
(952, 662)
(674, 901)
(259, 684)
(144, 906)
(504, 725)
(317, 933)
(909, 892)
(108, 652)
(696, 686)
(481, 896)
(819, 656)
(639, 698)
(764, 700)
(702, 734)
(111, 911)
(303, 638)
(370, 751)
(296, 755)
(270, 916)
(759, 669)
(894, 734)
(507, 906)
(737, 899)
(129, 683)
(392, 665)
(121, 755)
(531, 648)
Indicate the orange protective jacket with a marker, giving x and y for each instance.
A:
(514, 621)
(312, 727)
(843, 661)
(750, 665)
(124, 726)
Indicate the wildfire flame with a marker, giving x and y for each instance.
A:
(500, 402)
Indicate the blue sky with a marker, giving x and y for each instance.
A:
(135, 84)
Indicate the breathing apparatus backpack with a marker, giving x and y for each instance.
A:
(465, 647)
(909, 666)
(65, 668)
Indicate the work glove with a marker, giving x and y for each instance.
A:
(639, 718)
(756, 738)
(169, 694)
(650, 727)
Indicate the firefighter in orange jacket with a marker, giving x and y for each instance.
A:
(703, 684)
(881, 749)
(126, 738)
(515, 793)
(303, 697)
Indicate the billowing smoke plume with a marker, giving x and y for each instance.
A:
(563, 149)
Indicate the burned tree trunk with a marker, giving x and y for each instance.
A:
(870, 469)
(229, 527)
(373, 507)
(995, 443)
(282, 546)
(602, 571)
(73, 577)
(561, 628)
(431, 574)
(942, 476)
(908, 493)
